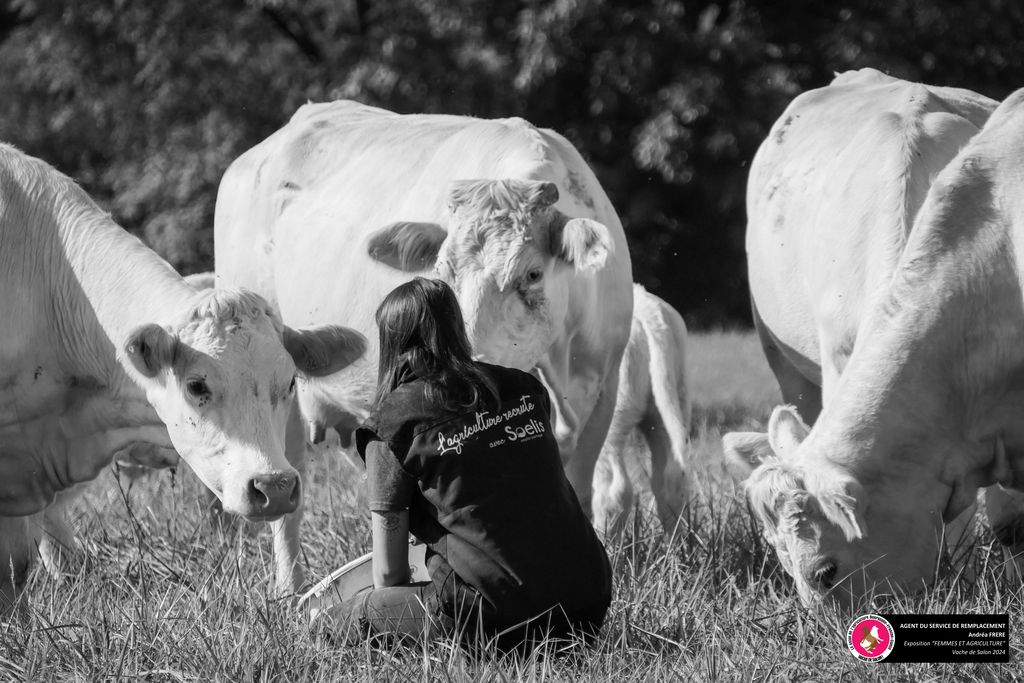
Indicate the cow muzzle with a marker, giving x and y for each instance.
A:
(268, 496)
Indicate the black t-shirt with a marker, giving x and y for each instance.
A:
(486, 490)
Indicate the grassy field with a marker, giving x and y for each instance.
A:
(166, 596)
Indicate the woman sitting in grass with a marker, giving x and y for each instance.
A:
(461, 454)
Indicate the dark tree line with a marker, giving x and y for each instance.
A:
(146, 103)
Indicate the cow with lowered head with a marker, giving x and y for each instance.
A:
(346, 201)
(898, 293)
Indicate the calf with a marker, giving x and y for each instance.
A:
(652, 399)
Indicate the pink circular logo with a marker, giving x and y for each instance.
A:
(870, 638)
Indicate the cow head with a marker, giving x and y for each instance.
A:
(836, 536)
(222, 379)
(508, 254)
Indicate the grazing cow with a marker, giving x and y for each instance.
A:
(104, 348)
(346, 201)
(882, 245)
(653, 400)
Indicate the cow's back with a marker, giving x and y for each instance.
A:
(294, 214)
(832, 195)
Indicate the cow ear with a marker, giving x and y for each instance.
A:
(323, 350)
(407, 246)
(745, 451)
(150, 348)
(786, 430)
(581, 242)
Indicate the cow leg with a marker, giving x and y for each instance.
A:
(290, 574)
(668, 480)
(58, 547)
(1005, 511)
(347, 444)
(796, 389)
(19, 537)
(612, 488)
(580, 468)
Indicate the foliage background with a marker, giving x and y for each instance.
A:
(146, 103)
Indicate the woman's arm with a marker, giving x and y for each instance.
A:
(390, 491)
(390, 548)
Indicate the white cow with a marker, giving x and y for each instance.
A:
(103, 348)
(652, 399)
(883, 238)
(346, 201)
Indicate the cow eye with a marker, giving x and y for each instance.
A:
(534, 276)
(291, 387)
(197, 388)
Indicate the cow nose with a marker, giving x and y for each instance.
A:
(273, 494)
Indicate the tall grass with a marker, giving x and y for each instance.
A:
(166, 596)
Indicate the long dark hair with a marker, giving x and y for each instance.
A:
(421, 328)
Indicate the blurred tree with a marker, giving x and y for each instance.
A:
(147, 103)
